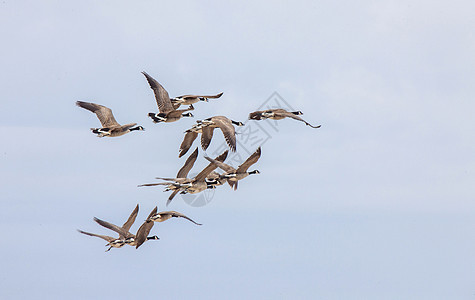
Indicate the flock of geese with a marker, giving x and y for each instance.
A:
(208, 178)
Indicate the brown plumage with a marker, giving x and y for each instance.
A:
(167, 112)
(234, 175)
(110, 127)
(191, 99)
(278, 114)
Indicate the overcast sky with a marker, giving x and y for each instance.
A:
(376, 204)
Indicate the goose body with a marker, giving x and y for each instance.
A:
(191, 99)
(233, 175)
(166, 215)
(124, 233)
(167, 113)
(111, 241)
(278, 114)
(110, 127)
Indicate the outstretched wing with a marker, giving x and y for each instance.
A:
(144, 230)
(249, 161)
(161, 95)
(122, 233)
(287, 114)
(210, 167)
(104, 237)
(130, 221)
(104, 114)
(190, 161)
(187, 142)
(176, 214)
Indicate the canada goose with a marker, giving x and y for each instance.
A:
(189, 185)
(182, 173)
(206, 128)
(110, 127)
(191, 99)
(278, 114)
(112, 242)
(123, 231)
(166, 215)
(167, 112)
(234, 175)
(144, 230)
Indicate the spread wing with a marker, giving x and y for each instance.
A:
(130, 221)
(104, 114)
(187, 142)
(250, 161)
(228, 131)
(122, 233)
(144, 230)
(104, 237)
(225, 167)
(210, 167)
(173, 195)
(161, 95)
(206, 136)
(284, 113)
(190, 161)
(176, 214)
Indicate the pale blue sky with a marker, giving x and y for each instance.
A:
(377, 204)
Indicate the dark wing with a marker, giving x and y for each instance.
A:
(228, 131)
(225, 167)
(173, 195)
(178, 112)
(187, 142)
(206, 136)
(287, 114)
(161, 95)
(176, 214)
(190, 161)
(122, 233)
(144, 230)
(210, 167)
(104, 237)
(130, 221)
(249, 161)
(104, 114)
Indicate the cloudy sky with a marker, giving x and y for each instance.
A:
(376, 204)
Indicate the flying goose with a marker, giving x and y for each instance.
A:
(206, 128)
(234, 175)
(166, 215)
(191, 99)
(190, 185)
(110, 127)
(144, 230)
(112, 242)
(167, 112)
(123, 231)
(278, 114)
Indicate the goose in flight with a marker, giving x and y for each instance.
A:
(191, 99)
(278, 114)
(206, 128)
(233, 175)
(110, 127)
(167, 113)
(166, 215)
